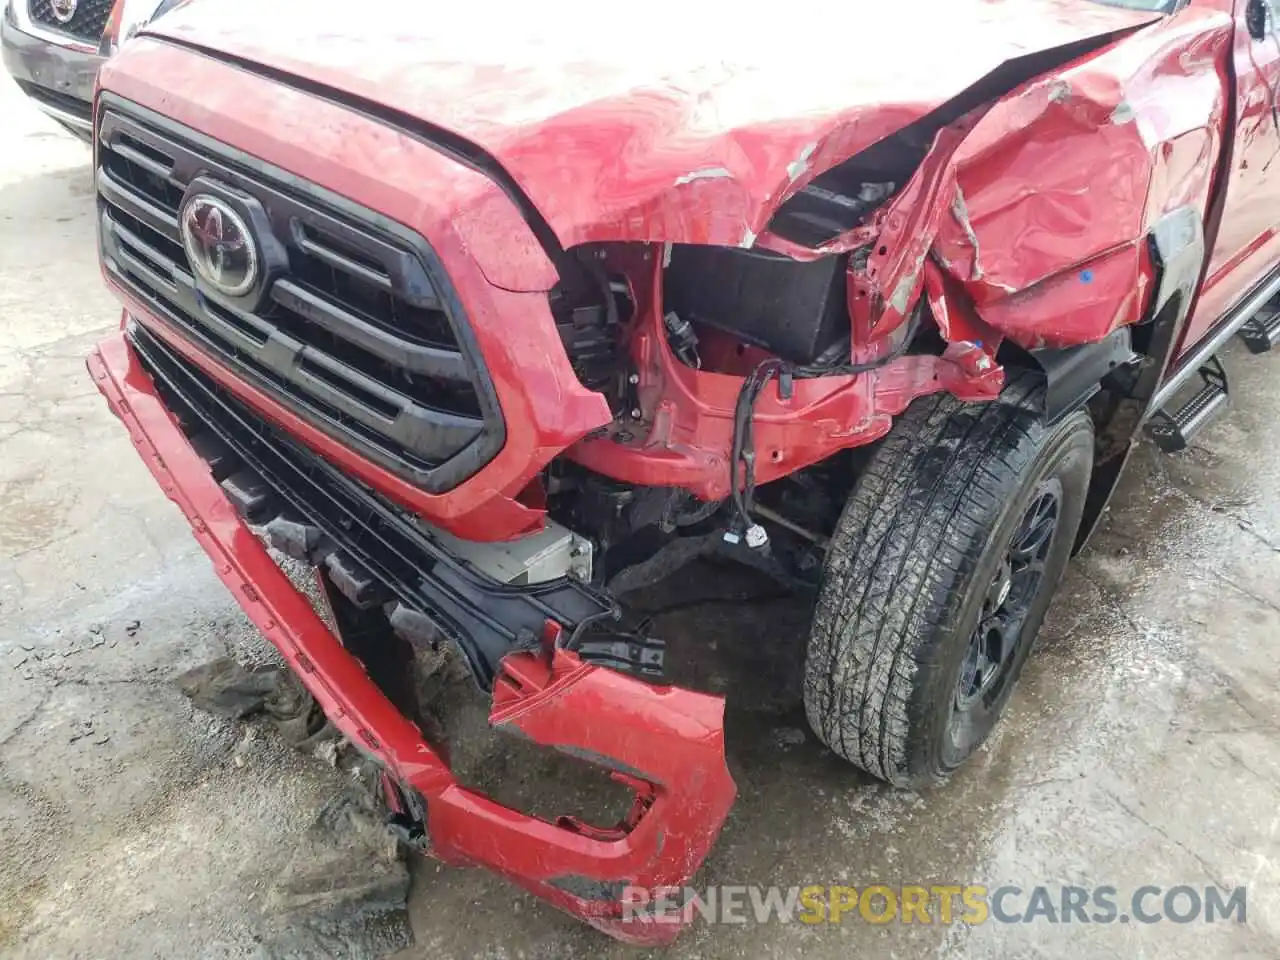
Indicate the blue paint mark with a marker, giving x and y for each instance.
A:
(1086, 276)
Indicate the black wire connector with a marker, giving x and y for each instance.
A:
(742, 459)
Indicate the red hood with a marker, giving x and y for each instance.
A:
(686, 121)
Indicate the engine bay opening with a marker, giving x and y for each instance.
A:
(593, 305)
(793, 310)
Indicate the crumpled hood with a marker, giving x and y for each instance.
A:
(668, 120)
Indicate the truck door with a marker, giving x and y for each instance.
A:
(1248, 241)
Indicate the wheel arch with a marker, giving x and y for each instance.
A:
(1118, 377)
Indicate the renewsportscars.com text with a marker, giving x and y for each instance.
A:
(970, 904)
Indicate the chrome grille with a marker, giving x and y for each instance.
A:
(87, 22)
(359, 330)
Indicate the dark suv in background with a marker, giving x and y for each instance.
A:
(53, 49)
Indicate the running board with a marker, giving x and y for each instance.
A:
(1203, 352)
(1173, 432)
(1262, 331)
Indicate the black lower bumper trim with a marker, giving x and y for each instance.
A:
(486, 619)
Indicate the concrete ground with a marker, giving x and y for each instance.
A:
(1141, 748)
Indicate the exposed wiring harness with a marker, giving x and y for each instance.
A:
(601, 277)
(742, 458)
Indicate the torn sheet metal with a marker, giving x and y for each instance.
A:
(697, 135)
(1057, 185)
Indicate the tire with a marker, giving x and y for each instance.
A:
(940, 526)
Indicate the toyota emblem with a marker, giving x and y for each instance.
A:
(219, 245)
(63, 10)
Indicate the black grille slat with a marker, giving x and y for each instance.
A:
(374, 443)
(140, 158)
(124, 197)
(87, 23)
(355, 335)
(485, 618)
(336, 259)
(416, 358)
(415, 315)
(262, 348)
(148, 236)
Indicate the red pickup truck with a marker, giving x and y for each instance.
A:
(493, 319)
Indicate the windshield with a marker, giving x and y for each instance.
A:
(1155, 6)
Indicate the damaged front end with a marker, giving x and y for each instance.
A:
(901, 271)
(591, 411)
(666, 745)
(1008, 225)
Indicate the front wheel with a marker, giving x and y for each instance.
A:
(938, 577)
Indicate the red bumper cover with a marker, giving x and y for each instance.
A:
(665, 743)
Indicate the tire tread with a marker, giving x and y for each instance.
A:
(912, 528)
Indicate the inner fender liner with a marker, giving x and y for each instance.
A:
(1074, 374)
(1178, 250)
(1178, 253)
(1177, 245)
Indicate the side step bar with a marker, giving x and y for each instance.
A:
(1173, 432)
(1262, 331)
(1257, 321)
(1249, 308)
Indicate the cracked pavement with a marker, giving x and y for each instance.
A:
(1141, 748)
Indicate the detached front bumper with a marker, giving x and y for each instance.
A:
(57, 73)
(665, 744)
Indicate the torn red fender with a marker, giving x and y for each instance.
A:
(1058, 184)
(883, 294)
(954, 315)
(666, 743)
